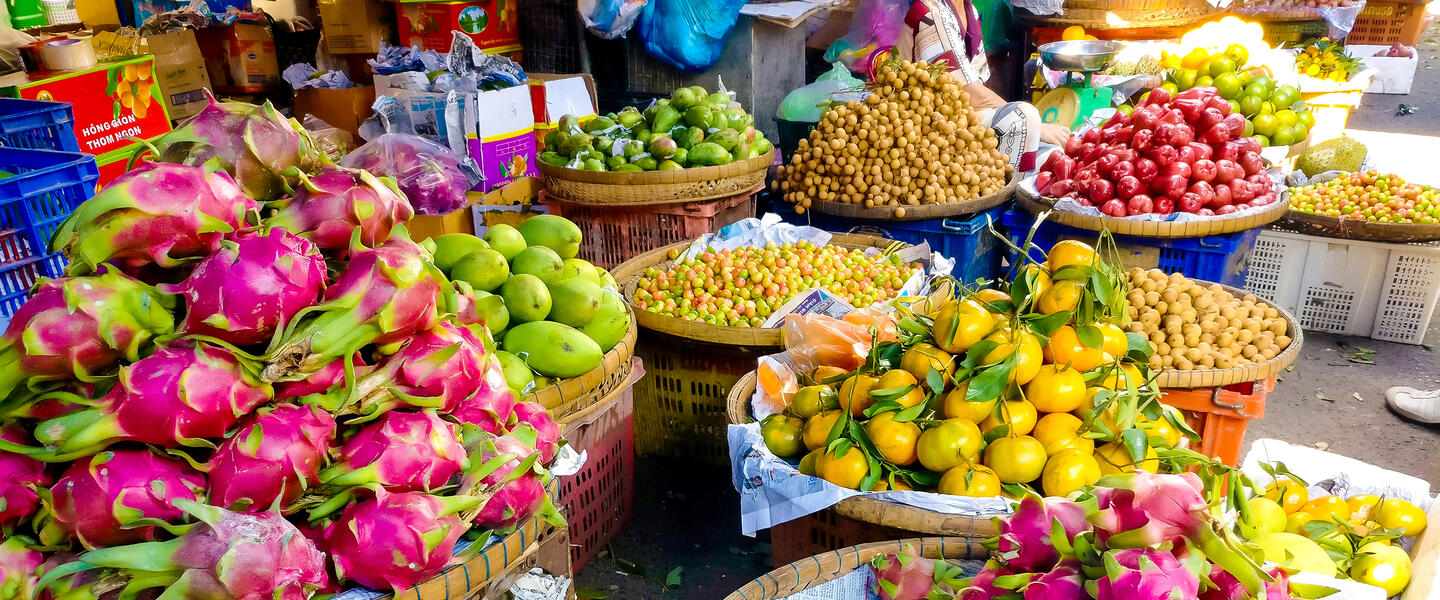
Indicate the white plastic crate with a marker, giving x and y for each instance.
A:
(1383, 291)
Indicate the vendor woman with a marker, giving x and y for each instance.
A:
(949, 30)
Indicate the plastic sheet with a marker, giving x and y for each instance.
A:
(302, 75)
(814, 341)
(875, 27)
(611, 19)
(804, 104)
(430, 175)
(688, 34)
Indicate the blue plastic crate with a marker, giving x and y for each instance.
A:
(41, 188)
(1220, 258)
(966, 240)
(37, 125)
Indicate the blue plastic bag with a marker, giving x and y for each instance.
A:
(688, 34)
(610, 19)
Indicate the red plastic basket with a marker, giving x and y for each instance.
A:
(598, 500)
(1385, 22)
(615, 234)
(1220, 415)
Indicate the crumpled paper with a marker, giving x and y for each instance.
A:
(301, 76)
(539, 585)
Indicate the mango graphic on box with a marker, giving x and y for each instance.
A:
(132, 89)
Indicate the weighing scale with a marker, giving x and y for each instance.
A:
(1072, 103)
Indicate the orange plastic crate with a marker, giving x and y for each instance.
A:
(1385, 22)
(615, 234)
(1220, 415)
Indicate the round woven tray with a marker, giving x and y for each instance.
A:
(654, 187)
(1160, 229)
(865, 508)
(628, 275)
(1169, 378)
(1359, 229)
(567, 397)
(920, 212)
(1129, 14)
(807, 573)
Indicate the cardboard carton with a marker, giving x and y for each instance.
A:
(554, 95)
(240, 58)
(345, 109)
(493, 24)
(356, 26)
(180, 71)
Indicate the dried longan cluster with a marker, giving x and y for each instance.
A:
(1194, 327)
(915, 140)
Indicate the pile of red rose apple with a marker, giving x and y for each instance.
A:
(1187, 153)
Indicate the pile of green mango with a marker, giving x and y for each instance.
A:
(691, 128)
(554, 315)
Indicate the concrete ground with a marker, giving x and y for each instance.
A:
(687, 517)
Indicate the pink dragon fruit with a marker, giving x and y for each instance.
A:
(81, 328)
(1064, 582)
(417, 531)
(275, 455)
(319, 387)
(402, 451)
(547, 438)
(255, 144)
(239, 556)
(251, 286)
(1226, 587)
(985, 586)
(156, 213)
(18, 565)
(1025, 543)
(492, 404)
(330, 206)
(182, 393)
(518, 487)
(903, 575)
(442, 368)
(98, 498)
(1142, 509)
(383, 296)
(1146, 574)
(20, 475)
(71, 397)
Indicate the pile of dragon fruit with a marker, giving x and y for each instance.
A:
(1134, 536)
(251, 384)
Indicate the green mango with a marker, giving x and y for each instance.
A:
(599, 124)
(593, 165)
(689, 138)
(760, 146)
(646, 163)
(526, 298)
(628, 168)
(725, 138)
(552, 158)
(742, 151)
(665, 118)
(699, 116)
(650, 111)
(669, 165)
(681, 156)
(662, 148)
(574, 143)
(611, 321)
(684, 98)
(710, 154)
(629, 117)
(452, 247)
(719, 100)
(554, 232)
(614, 162)
(570, 124)
(640, 133)
(700, 93)
(518, 376)
(574, 301)
(553, 349)
(739, 119)
(604, 143)
(554, 138)
(589, 154)
(632, 148)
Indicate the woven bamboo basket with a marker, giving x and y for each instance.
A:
(1126, 14)
(569, 396)
(1162, 229)
(807, 573)
(628, 275)
(492, 572)
(921, 212)
(1360, 229)
(1210, 378)
(868, 509)
(654, 187)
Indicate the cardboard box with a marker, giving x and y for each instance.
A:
(180, 71)
(356, 26)
(345, 109)
(1393, 75)
(504, 142)
(553, 96)
(423, 227)
(113, 101)
(240, 58)
(428, 24)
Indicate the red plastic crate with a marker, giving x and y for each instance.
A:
(1220, 415)
(599, 499)
(1385, 22)
(615, 234)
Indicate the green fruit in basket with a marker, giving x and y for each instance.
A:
(491, 310)
(761, 146)
(526, 297)
(669, 165)
(579, 267)
(689, 138)
(725, 138)
(710, 154)
(599, 124)
(553, 349)
(553, 232)
(555, 138)
(607, 280)
(628, 168)
(539, 261)
(743, 151)
(681, 157)
(452, 247)
(632, 148)
(684, 98)
(506, 240)
(611, 322)
(1295, 551)
(483, 269)
(650, 111)
(645, 163)
(569, 124)
(615, 162)
(629, 117)
(518, 375)
(572, 145)
(718, 120)
(719, 100)
(662, 147)
(666, 118)
(739, 118)
(574, 302)
(592, 164)
(553, 158)
(699, 116)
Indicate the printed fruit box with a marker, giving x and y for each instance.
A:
(114, 102)
(493, 24)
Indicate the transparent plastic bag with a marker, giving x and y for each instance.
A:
(688, 34)
(875, 27)
(335, 143)
(429, 174)
(837, 85)
(816, 340)
(610, 19)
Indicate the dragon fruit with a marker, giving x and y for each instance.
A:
(70, 397)
(251, 286)
(275, 454)
(903, 575)
(330, 206)
(1025, 543)
(320, 386)
(984, 585)
(442, 368)
(428, 173)
(417, 531)
(20, 475)
(547, 438)
(156, 213)
(1226, 587)
(18, 565)
(183, 393)
(81, 328)
(254, 143)
(402, 451)
(492, 404)
(1146, 574)
(1064, 582)
(518, 487)
(383, 296)
(238, 556)
(98, 498)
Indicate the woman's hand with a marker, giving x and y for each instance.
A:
(1051, 133)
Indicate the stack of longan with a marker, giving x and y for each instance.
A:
(915, 140)
(1194, 326)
